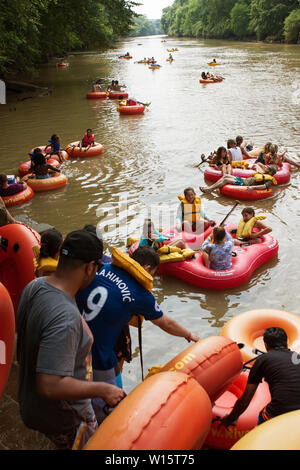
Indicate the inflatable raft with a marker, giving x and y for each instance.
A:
(279, 433)
(96, 95)
(7, 335)
(247, 329)
(58, 180)
(115, 95)
(282, 176)
(131, 109)
(25, 168)
(223, 439)
(242, 193)
(246, 261)
(74, 150)
(45, 149)
(19, 198)
(155, 414)
(17, 266)
(209, 80)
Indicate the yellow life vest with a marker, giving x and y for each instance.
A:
(259, 177)
(240, 164)
(244, 229)
(45, 264)
(192, 212)
(133, 268)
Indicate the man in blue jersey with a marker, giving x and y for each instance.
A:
(108, 304)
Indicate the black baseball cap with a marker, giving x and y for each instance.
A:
(83, 245)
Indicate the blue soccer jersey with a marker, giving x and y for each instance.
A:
(108, 304)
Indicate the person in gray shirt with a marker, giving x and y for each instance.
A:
(54, 349)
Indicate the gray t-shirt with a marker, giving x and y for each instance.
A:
(53, 339)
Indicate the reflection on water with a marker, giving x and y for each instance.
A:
(149, 159)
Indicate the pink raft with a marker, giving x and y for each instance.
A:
(193, 271)
(282, 176)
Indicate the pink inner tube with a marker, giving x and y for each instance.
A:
(136, 109)
(95, 95)
(282, 176)
(74, 150)
(248, 259)
(115, 95)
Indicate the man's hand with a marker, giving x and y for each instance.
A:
(113, 395)
(192, 337)
(226, 421)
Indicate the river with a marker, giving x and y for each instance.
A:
(149, 159)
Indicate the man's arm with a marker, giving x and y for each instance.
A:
(240, 406)
(173, 328)
(56, 387)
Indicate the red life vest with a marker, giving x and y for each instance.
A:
(88, 140)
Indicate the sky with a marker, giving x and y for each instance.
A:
(152, 8)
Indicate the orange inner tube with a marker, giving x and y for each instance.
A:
(19, 198)
(58, 180)
(74, 150)
(169, 411)
(248, 328)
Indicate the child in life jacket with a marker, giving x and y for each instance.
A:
(47, 255)
(155, 239)
(88, 140)
(190, 213)
(55, 148)
(250, 228)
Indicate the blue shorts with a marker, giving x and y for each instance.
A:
(238, 181)
(42, 177)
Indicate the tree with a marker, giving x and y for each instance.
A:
(292, 27)
(240, 19)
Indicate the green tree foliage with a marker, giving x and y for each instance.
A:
(292, 27)
(240, 19)
(144, 27)
(263, 19)
(33, 31)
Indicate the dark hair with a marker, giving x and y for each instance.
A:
(89, 130)
(54, 137)
(275, 337)
(188, 189)
(38, 158)
(230, 142)
(248, 210)
(239, 139)
(51, 241)
(121, 97)
(145, 255)
(218, 234)
(219, 153)
(3, 179)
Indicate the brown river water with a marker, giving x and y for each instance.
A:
(148, 160)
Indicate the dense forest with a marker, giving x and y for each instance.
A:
(144, 27)
(33, 31)
(263, 20)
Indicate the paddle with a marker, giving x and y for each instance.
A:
(203, 158)
(231, 210)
